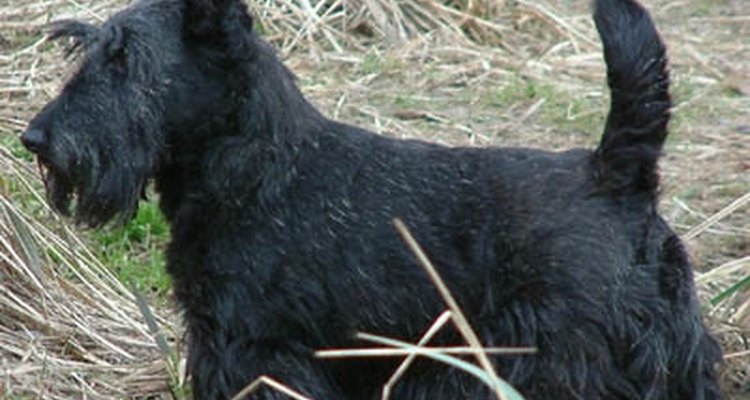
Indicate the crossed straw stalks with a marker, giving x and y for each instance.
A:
(485, 372)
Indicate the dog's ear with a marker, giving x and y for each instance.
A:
(81, 34)
(211, 19)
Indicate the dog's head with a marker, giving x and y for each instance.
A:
(148, 77)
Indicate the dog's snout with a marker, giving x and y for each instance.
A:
(34, 140)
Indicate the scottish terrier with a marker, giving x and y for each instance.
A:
(282, 236)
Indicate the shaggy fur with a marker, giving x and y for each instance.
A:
(281, 219)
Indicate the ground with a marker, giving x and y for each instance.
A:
(528, 72)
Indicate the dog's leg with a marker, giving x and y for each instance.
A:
(221, 366)
(626, 161)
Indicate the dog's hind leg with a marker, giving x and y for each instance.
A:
(626, 163)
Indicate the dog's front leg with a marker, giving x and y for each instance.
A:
(222, 365)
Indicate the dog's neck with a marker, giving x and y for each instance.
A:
(275, 109)
(271, 123)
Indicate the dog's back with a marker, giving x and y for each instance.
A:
(565, 252)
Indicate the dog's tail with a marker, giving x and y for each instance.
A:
(639, 83)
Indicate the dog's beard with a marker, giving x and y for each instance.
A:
(93, 200)
(58, 185)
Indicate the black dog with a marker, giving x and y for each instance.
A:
(282, 234)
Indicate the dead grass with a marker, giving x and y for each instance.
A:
(527, 72)
(68, 328)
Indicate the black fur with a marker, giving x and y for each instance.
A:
(281, 218)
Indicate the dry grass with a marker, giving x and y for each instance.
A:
(481, 72)
(68, 328)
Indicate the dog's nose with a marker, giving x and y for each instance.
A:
(33, 139)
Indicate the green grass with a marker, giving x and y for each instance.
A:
(374, 63)
(566, 109)
(407, 101)
(697, 102)
(13, 144)
(135, 252)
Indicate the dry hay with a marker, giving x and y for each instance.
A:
(68, 329)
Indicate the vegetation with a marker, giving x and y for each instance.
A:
(74, 313)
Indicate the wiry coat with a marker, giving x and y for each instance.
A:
(282, 219)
